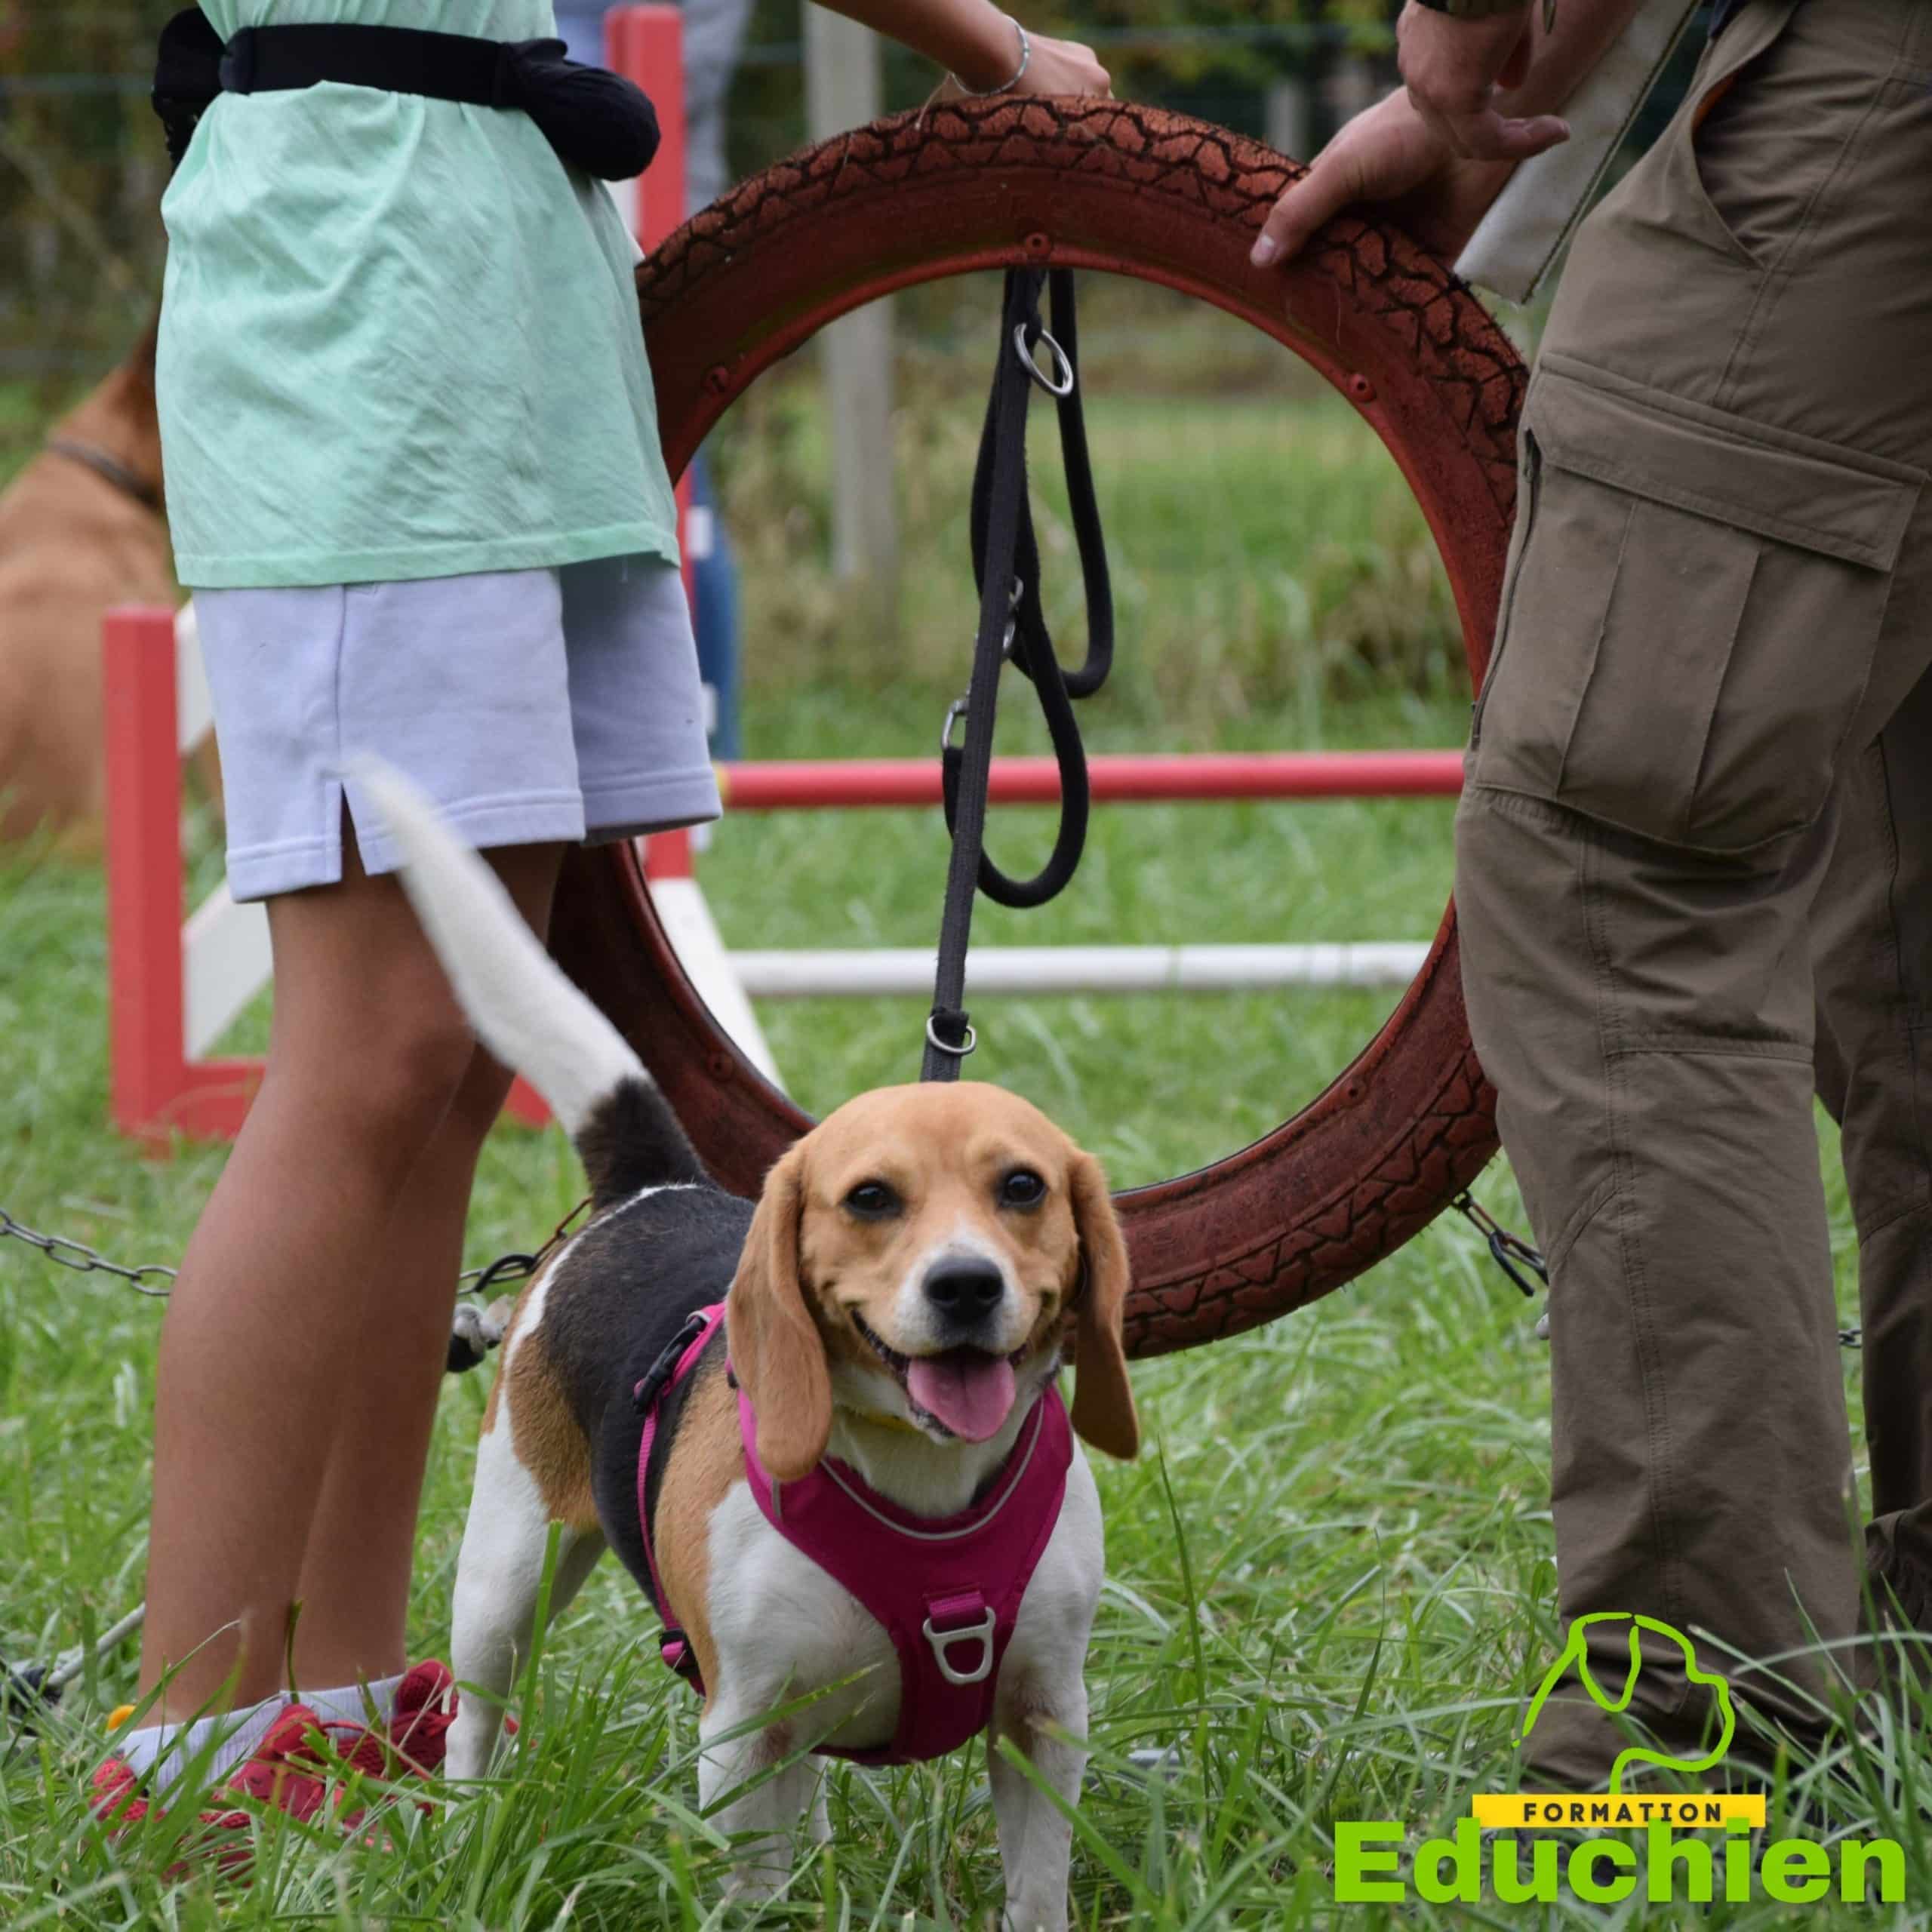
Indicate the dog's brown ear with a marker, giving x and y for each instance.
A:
(1103, 1412)
(776, 1351)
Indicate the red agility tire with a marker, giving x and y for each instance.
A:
(1139, 192)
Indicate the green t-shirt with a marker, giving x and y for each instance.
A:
(399, 337)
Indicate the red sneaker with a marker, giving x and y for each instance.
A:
(285, 1771)
(120, 1803)
(425, 1708)
(120, 1800)
(116, 1795)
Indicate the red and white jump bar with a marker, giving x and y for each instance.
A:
(845, 784)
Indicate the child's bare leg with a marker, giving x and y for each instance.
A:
(259, 1353)
(354, 1588)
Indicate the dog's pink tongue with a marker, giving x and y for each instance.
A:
(972, 1393)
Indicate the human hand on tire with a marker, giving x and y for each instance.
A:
(1390, 156)
(979, 44)
(1063, 66)
(1053, 66)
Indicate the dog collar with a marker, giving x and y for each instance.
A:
(110, 468)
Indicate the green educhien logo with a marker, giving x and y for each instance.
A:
(1601, 1867)
(1576, 1651)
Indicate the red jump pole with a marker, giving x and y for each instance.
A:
(813, 784)
(156, 1090)
(646, 44)
(143, 865)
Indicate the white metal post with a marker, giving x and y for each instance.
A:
(843, 90)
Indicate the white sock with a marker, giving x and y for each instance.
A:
(162, 1753)
(356, 1704)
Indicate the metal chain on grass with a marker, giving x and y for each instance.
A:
(65, 1253)
(28, 1690)
(518, 1267)
(85, 1261)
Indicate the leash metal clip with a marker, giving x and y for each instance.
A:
(981, 1632)
(957, 708)
(1013, 597)
(1510, 1252)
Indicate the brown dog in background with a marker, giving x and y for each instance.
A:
(81, 529)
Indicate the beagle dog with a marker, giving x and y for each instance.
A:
(876, 1398)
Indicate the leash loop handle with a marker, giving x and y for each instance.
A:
(999, 482)
(1013, 625)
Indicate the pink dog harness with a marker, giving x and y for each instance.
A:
(946, 1590)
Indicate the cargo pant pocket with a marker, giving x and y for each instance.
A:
(1692, 616)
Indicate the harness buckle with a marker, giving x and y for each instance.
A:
(981, 1633)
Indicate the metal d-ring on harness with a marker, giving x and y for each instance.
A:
(1013, 626)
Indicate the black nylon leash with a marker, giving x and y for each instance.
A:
(1006, 566)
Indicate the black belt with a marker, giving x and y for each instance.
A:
(596, 120)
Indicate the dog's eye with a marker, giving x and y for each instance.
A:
(1022, 1187)
(872, 1201)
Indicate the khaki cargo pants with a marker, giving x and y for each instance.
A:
(1695, 861)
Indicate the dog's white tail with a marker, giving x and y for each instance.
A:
(525, 1011)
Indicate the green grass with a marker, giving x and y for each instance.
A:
(1329, 1580)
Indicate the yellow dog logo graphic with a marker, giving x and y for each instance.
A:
(1576, 1650)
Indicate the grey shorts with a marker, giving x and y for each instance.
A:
(531, 705)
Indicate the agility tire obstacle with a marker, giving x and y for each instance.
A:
(1138, 192)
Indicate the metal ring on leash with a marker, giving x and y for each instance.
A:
(959, 1052)
(1061, 383)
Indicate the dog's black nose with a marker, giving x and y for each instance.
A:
(965, 1289)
